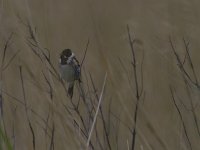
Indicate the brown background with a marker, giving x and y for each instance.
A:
(69, 24)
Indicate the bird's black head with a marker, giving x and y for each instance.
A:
(66, 53)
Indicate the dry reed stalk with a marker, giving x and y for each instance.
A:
(95, 117)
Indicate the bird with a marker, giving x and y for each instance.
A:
(70, 69)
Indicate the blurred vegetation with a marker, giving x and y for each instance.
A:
(4, 141)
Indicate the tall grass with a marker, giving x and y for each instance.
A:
(4, 141)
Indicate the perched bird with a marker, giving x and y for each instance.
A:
(69, 69)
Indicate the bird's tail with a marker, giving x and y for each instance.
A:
(71, 90)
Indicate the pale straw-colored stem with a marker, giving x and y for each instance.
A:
(95, 117)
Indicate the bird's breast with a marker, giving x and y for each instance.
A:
(67, 73)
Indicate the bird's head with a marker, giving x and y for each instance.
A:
(66, 53)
